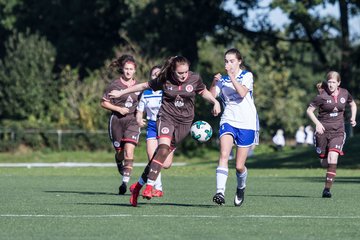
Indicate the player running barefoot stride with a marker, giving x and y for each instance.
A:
(123, 130)
(330, 131)
(239, 123)
(176, 114)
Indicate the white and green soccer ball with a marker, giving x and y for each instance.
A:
(201, 131)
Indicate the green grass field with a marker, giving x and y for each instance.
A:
(283, 201)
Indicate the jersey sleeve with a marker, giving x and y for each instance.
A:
(248, 81)
(141, 106)
(350, 98)
(200, 86)
(108, 89)
(315, 102)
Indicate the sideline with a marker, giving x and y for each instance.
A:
(174, 216)
(73, 164)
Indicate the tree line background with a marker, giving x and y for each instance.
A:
(54, 55)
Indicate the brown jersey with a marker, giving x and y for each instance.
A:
(331, 109)
(178, 101)
(129, 101)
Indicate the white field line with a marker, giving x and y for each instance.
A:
(174, 216)
(72, 164)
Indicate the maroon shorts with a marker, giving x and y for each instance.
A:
(329, 142)
(175, 131)
(123, 130)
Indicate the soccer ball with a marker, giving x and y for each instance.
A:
(201, 131)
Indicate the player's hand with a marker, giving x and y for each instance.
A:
(353, 122)
(115, 94)
(141, 122)
(320, 128)
(123, 110)
(231, 72)
(217, 77)
(216, 109)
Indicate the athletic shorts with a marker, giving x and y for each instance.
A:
(123, 130)
(242, 137)
(175, 131)
(151, 132)
(329, 142)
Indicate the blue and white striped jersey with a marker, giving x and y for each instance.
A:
(238, 112)
(150, 102)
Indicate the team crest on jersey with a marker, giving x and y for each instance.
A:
(179, 102)
(129, 102)
(318, 150)
(165, 130)
(342, 100)
(116, 144)
(189, 88)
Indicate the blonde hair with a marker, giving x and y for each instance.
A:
(333, 74)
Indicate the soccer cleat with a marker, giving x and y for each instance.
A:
(157, 193)
(135, 194)
(147, 193)
(131, 188)
(219, 198)
(326, 193)
(122, 188)
(239, 197)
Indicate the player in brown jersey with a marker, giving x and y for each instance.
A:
(123, 129)
(175, 117)
(330, 131)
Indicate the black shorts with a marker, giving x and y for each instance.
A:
(329, 141)
(123, 130)
(172, 130)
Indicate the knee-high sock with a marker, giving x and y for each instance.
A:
(158, 183)
(330, 175)
(119, 157)
(241, 179)
(156, 163)
(221, 178)
(128, 166)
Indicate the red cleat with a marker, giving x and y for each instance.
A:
(132, 187)
(135, 194)
(157, 193)
(147, 193)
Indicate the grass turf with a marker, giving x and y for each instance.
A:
(81, 203)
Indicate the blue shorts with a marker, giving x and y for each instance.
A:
(151, 130)
(242, 137)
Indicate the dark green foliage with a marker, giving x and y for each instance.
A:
(26, 77)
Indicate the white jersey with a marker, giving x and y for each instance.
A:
(238, 112)
(150, 102)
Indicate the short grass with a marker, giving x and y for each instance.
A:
(283, 199)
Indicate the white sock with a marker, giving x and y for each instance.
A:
(241, 179)
(150, 182)
(126, 179)
(221, 178)
(158, 183)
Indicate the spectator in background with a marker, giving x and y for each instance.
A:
(279, 139)
(309, 140)
(300, 136)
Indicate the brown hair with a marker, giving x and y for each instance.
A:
(170, 67)
(153, 68)
(333, 74)
(237, 55)
(119, 63)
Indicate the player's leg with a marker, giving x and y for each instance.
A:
(226, 143)
(336, 142)
(244, 139)
(128, 166)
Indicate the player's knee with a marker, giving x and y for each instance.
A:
(163, 149)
